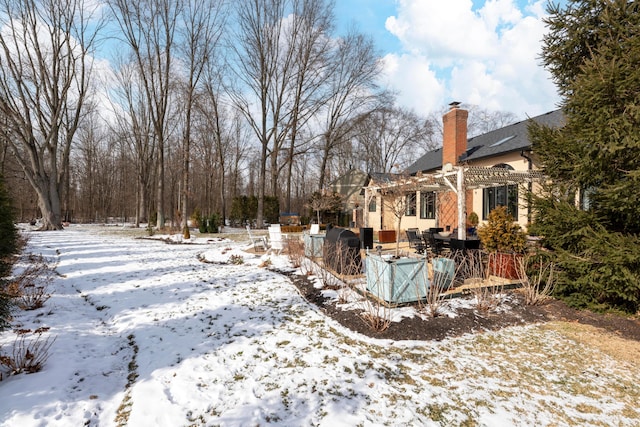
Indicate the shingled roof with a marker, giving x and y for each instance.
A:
(505, 140)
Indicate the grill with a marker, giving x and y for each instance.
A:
(342, 251)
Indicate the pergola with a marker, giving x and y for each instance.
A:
(461, 178)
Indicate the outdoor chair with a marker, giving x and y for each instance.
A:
(259, 242)
(277, 240)
(433, 245)
(415, 241)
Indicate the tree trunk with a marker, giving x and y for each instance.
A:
(262, 178)
(160, 219)
(49, 204)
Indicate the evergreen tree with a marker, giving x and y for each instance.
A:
(593, 53)
(8, 231)
(8, 247)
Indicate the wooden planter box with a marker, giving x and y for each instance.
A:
(387, 236)
(313, 245)
(397, 280)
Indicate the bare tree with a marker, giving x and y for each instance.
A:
(282, 67)
(149, 28)
(222, 136)
(202, 24)
(259, 58)
(322, 201)
(310, 38)
(134, 127)
(399, 197)
(352, 91)
(45, 51)
(391, 137)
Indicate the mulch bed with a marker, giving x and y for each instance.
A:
(469, 320)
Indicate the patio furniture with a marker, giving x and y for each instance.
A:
(436, 242)
(277, 240)
(366, 237)
(259, 242)
(415, 241)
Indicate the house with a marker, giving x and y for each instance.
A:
(496, 168)
(349, 187)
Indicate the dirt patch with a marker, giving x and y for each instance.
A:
(472, 321)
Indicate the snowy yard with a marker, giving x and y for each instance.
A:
(146, 334)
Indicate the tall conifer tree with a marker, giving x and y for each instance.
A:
(8, 246)
(591, 217)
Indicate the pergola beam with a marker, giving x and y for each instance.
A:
(466, 177)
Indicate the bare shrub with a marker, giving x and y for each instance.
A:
(236, 259)
(306, 266)
(538, 278)
(438, 283)
(488, 291)
(29, 352)
(470, 266)
(295, 252)
(487, 298)
(376, 315)
(326, 276)
(349, 261)
(266, 263)
(328, 279)
(30, 289)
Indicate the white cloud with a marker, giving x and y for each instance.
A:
(488, 57)
(414, 80)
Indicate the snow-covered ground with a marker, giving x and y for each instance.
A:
(146, 334)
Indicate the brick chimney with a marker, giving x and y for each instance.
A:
(454, 142)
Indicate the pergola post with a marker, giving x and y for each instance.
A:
(462, 204)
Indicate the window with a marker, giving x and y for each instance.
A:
(411, 204)
(372, 204)
(503, 195)
(428, 205)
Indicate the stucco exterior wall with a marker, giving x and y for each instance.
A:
(518, 163)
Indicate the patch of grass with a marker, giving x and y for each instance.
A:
(614, 346)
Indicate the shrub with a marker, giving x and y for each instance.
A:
(501, 233)
(537, 276)
(209, 224)
(8, 231)
(9, 246)
(596, 268)
(28, 354)
(6, 305)
(295, 252)
(473, 219)
(245, 208)
(196, 217)
(30, 289)
(236, 259)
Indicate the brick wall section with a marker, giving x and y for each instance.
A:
(455, 134)
(454, 144)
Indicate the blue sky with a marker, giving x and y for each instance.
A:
(477, 52)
